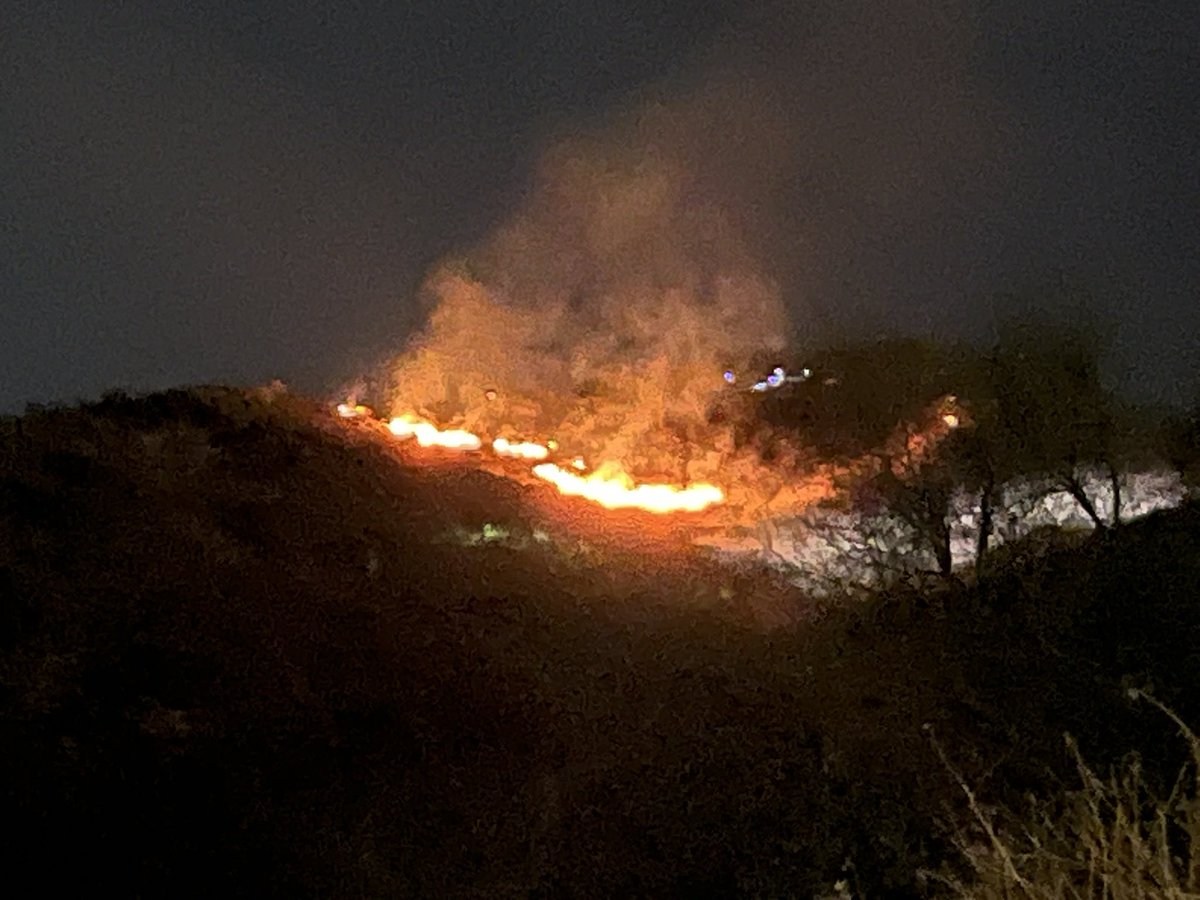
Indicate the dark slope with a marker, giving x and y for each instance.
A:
(244, 651)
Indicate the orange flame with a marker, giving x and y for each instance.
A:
(521, 450)
(352, 410)
(429, 435)
(751, 485)
(614, 489)
(609, 486)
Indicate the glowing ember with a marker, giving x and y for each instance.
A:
(429, 435)
(521, 450)
(951, 420)
(352, 411)
(616, 490)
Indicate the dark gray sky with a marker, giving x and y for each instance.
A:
(200, 191)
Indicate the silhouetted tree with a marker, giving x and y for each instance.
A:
(924, 504)
(924, 470)
(1179, 444)
(1053, 415)
(977, 458)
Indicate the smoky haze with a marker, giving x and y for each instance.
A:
(201, 191)
(685, 235)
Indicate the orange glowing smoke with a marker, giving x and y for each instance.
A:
(613, 489)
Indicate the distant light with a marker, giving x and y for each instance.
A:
(760, 386)
(806, 372)
(730, 378)
(775, 379)
(951, 420)
(490, 394)
(778, 371)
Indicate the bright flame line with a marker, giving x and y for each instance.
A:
(612, 491)
(521, 450)
(624, 494)
(429, 435)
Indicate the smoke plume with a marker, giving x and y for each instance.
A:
(653, 253)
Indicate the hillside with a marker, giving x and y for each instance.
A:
(248, 649)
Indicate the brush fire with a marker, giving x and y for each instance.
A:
(609, 485)
(759, 486)
(612, 337)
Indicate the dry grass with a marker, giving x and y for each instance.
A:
(1113, 838)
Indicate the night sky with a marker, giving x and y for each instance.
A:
(196, 192)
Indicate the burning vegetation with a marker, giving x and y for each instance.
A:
(617, 333)
(590, 331)
(610, 485)
(619, 327)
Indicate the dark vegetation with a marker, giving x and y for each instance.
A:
(1032, 408)
(243, 654)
